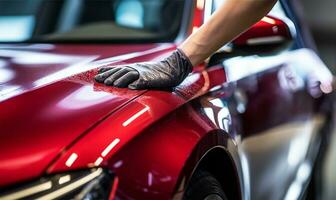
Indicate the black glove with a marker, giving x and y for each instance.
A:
(167, 73)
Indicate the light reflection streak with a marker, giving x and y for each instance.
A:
(84, 97)
(217, 87)
(132, 55)
(268, 20)
(302, 175)
(58, 193)
(195, 28)
(150, 179)
(110, 147)
(210, 113)
(73, 69)
(98, 161)
(118, 164)
(6, 75)
(241, 100)
(106, 151)
(71, 159)
(265, 40)
(9, 91)
(309, 63)
(222, 115)
(246, 173)
(190, 80)
(30, 47)
(166, 179)
(200, 4)
(33, 58)
(217, 102)
(298, 146)
(135, 116)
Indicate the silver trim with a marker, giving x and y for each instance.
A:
(28, 192)
(72, 186)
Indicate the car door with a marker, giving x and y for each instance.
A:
(278, 126)
(271, 97)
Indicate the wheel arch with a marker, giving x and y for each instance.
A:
(160, 165)
(218, 157)
(219, 163)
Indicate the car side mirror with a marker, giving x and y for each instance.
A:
(269, 30)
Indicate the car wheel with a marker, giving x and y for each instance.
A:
(204, 186)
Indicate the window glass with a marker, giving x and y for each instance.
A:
(130, 13)
(89, 20)
(16, 28)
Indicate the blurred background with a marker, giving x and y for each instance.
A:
(321, 18)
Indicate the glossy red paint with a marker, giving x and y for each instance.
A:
(198, 14)
(133, 119)
(268, 30)
(63, 108)
(114, 188)
(154, 140)
(47, 63)
(125, 129)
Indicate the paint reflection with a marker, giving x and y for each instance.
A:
(301, 177)
(286, 145)
(218, 112)
(72, 158)
(8, 91)
(135, 116)
(24, 69)
(6, 75)
(84, 97)
(106, 151)
(3, 63)
(309, 63)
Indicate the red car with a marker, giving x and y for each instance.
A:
(248, 124)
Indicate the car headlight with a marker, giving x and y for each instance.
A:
(95, 183)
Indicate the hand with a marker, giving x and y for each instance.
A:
(167, 73)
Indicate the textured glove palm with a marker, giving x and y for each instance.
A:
(167, 73)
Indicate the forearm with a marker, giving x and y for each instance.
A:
(231, 19)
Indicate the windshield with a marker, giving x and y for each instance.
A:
(89, 20)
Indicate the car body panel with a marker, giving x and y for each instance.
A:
(122, 139)
(154, 140)
(62, 108)
(220, 106)
(47, 63)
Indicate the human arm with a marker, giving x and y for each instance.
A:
(231, 19)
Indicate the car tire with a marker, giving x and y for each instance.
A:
(204, 186)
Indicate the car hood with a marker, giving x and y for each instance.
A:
(48, 100)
